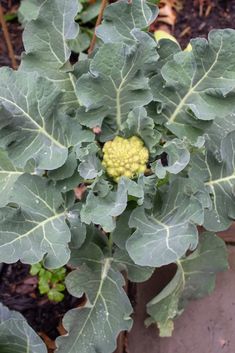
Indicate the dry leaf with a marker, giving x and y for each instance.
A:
(48, 341)
(168, 11)
(79, 191)
(205, 7)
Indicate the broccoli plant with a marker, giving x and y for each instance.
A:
(148, 131)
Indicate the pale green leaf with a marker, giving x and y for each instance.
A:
(29, 10)
(115, 84)
(46, 45)
(37, 228)
(66, 170)
(103, 210)
(90, 12)
(217, 131)
(177, 157)
(8, 176)
(122, 17)
(34, 128)
(135, 272)
(16, 335)
(164, 236)
(194, 279)
(139, 124)
(81, 42)
(219, 183)
(90, 167)
(94, 328)
(196, 87)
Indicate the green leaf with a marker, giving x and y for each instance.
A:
(31, 103)
(43, 286)
(46, 45)
(95, 327)
(102, 209)
(29, 10)
(139, 124)
(217, 131)
(195, 88)
(178, 158)
(219, 183)
(37, 228)
(34, 128)
(90, 12)
(164, 236)
(90, 167)
(194, 279)
(55, 296)
(122, 17)
(115, 84)
(135, 273)
(122, 232)
(66, 170)
(34, 270)
(81, 42)
(16, 335)
(8, 176)
(77, 228)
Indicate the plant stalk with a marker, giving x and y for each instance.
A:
(98, 22)
(7, 39)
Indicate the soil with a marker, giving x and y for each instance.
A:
(18, 291)
(190, 24)
(15, 30)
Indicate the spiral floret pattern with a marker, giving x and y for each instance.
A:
(125, 157)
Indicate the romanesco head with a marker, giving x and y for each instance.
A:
(125, 157)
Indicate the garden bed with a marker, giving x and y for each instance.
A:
(18, 289)
(189, 24)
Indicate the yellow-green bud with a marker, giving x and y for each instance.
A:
(125, 157)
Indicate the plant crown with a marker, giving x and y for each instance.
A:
(181, 105)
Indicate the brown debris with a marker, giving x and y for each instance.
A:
(7, 39)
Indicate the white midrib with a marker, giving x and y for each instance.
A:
(39, 128)
(118, 92)
(71, 77)
(10, 172)
(41, 224)
(220, 180)
(182, 103)
(104, 273)
(178, 262)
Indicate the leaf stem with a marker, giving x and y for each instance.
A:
(110, 243)
(98, 22)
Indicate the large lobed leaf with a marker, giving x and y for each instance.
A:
(219, 182)
(194, 88)
(94, 327)
(194, 278)
(37, 228)
(46, 45)
(164, 235)
(34, 128)
(16, 335)
(8, 176)
(122, 17)
(115, 84)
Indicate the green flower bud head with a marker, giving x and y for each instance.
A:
(125, 157)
